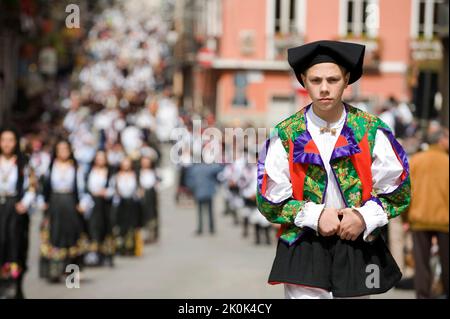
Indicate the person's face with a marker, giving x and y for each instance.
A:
(8, 142)
(63, 151)
(146, 162)
(74, 101)
(325, 83)
(36, 145)
(100, 159)
(126, 164)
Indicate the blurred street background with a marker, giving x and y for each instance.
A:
(132, 77)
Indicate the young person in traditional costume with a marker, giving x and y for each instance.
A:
(127, 208)
(17, 192)
(63, 231)
(98, 186)
(149, 199)
(332, 177)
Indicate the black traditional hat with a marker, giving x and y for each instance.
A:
(348, 55)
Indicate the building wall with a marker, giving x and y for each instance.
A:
(259, 95)
(323, 22)
(395, 25)
(238, 17)
(327, 27)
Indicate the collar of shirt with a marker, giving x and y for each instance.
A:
(317, 122)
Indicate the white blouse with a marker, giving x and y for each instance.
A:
(147, 178)
(40, 162)
(386, 172)
(8, 182)
(96, 182)
(62, 178)
(126, 185)
(8, 177)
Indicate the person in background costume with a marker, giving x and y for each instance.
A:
(63, 230)
(17, 192)
(98, 186)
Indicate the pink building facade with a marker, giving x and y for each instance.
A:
(246, 42)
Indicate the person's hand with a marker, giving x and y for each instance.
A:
(352, 224)
(328, 222)
(20, 208)
(406, 227)
(80, 209)
(102, 193)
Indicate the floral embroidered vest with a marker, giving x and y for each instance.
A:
(350, 161)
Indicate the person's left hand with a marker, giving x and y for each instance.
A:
(352, 224)
(20, 208)
(80, 209)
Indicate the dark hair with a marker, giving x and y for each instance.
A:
(435, 136)
(63, 140)
(16, 136)
(21, 158)
(146, 157)
(47, 183)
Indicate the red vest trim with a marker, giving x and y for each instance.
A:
(362, 162)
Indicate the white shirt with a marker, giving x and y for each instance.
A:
(126, 185)
(96, 181)
(39, 162)
(8, 176)
(8, 181)
(386, 172)
(147, 178)
(131, 139)
(62, 178)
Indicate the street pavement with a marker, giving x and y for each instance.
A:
(181, 264)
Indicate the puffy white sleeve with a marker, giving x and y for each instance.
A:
(279, 187)
(386, 177)
(29, 192)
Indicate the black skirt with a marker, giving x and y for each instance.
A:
(99, 222)
(149, 206)
(128, 221)
(63, 236)
(13, 238)
(66, 224)
(129, 215)
(345, 268)
(100, 225)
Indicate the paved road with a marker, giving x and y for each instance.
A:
(181, 265)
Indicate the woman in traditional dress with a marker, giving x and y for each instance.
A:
(147, 182)
(16, 195)
(98, 185)
(127, 208)
(63, 231)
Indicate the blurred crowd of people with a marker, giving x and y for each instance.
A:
(229, 165)
(419, 239)
(93, 172)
